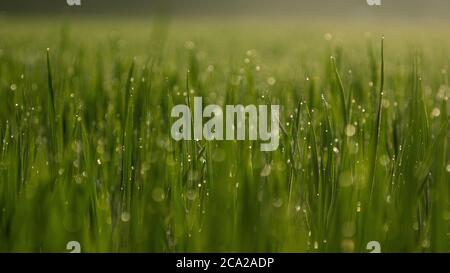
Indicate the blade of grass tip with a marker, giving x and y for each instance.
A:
(127, 125)
(295, 144)
(349, 99)
(127, 160)
(190, 148)
(51, 118)
(50, 85)
(313, 143)
(5, 141)
(128, 86)
(329, 168)
(341, 90)
(377, 124)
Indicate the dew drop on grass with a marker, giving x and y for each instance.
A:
(345, 179)
(348, 229)
(350, 130)
(347, 245)
(328, 36)
(426, 243)
(388, 199)
(316, 245)
(384, 160)
(191, 195)
(193, 175)
(271, 80)
(277, 202)
(78, 179)
(266, 170)
(158, 195)
(125, 216)
(436, 112)
(189, 45)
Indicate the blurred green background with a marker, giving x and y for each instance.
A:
(86, 153)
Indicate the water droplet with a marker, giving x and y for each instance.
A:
(271, 81)
(266, 170)
(125, 216)
(347, 245)
(277, 202)
(193, 175)
(191, 195)
(328, 36)
(158, 195)
(388, 199)
(426, 243)
(316, 245)
(350, 130)
(384, 160)
(345, 179)
(189, 45)
(436, 112)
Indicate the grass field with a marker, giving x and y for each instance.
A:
(86, 153)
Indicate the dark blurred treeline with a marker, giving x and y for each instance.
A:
(348, 8)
